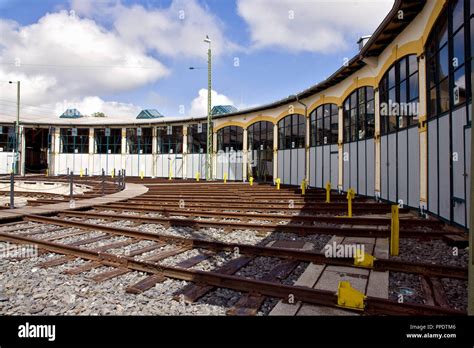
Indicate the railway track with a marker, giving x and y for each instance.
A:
(113, 236)
(124, 263)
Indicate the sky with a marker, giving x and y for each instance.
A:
(121, 56)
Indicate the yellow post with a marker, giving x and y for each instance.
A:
(328, 192)
(47, 172)
(80, 173)
(251, 181)
(278, 183)
(225, 178)
(394, 231)
(350, 197)
(170, 174)
(197, 176)
(111, 173)
(303, 186)
(141, 175)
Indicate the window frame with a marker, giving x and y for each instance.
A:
(317, 134)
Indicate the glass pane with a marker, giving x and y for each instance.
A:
(459, 91)
(370, 107)
(353, 99)
(392, 97)
(370, 93)
(413, 86)
(319, 112)
(444, 96)
(443, 32)
(430, 71)
(391, 77)
(433, 105)
(392, 123)
(362, 95)
(472, 33)
(412, 64)
(403, 69)
(458, 14)
(327, 110)
(458, 49)
(443, 63)
(403, 92)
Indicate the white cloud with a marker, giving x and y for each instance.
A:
(67, 57)
(199, 104)
(175, 31)
(312, 26)
(87, 106)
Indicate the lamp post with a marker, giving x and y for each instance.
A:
(16, 157)
(209, 105)
(209, 116)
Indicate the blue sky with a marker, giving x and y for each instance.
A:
(282, 47)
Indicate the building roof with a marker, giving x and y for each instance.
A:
(223, 109)
(149, 113)
(391, 26)
(71, 113)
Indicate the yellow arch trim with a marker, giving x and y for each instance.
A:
(288, 112)
(357, 83)
(260, 119)
(438, 8)
(229, 123)
(412, 47)
(324, 100)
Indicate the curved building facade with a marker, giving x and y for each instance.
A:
(394, 122)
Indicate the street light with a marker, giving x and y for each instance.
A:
(209, 116)
(16, 156)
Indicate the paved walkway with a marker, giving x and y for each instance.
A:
(323, 277)
(130, 191)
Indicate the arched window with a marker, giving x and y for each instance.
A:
(260, 136)
(359, 116)
(230, 138)
(291, 132)
(446, 55)
(324, 125)
(398, 92)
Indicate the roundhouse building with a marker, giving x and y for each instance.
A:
(394, 122)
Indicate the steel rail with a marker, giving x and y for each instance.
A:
(303, 230)
(271, 289)
(303, 256)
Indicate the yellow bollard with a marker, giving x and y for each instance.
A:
(141, 175)
(197, 176)
(328, 192)
(225, 178)
(47, 172)
(251, 181)
(170, 174)
(80, 173)
(303, 186)
(278, 183)
(112, 174)
(350, 197)
(394, 231)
